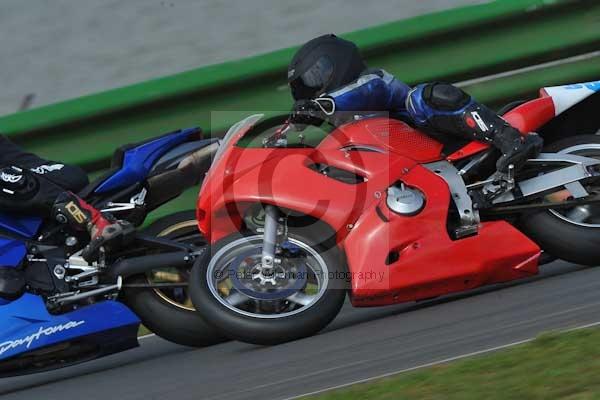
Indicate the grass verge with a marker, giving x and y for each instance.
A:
(553, 366)
(143, 331)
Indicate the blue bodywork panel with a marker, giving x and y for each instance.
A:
(11, 252)
(594, 86)
(21, 225)
(27, 325)
(138, 162)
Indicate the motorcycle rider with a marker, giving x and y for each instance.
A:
(327, 76)
(34, 186)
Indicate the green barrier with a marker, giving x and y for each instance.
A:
(219, 76)
(495, 91)
(452, 45)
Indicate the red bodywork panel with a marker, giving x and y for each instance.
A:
(428, 262)
(381, 151)
(469, 150)
(388, 134)
(530, 116)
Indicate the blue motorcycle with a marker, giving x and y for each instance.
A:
(73, 311)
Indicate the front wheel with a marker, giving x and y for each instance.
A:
(298, 297)
(570, 234)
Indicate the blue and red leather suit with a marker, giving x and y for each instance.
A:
(450, 110)
(438, 108)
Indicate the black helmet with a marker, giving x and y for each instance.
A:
(323, 64)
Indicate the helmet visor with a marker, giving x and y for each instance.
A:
(313, 80)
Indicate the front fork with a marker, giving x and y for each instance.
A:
(270, 236)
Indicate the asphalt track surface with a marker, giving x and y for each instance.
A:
(360, 344)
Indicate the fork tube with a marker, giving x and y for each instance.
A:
(270, 236)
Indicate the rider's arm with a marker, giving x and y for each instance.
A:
(374, 91)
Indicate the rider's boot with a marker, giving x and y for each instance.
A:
(104, 230)
(481, 123)
(516, 149)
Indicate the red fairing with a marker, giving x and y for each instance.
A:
(388, 134)
(469, 150)
(412, 258)
(392, 258)
(532, 115)
(283, 177)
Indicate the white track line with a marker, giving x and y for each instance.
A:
(568, 60)
(430, 364)
(147, 336)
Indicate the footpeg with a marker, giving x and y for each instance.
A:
(499, 184)
(73, 297)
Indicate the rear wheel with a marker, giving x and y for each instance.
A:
(169, 311)
(570, 234)
(297, 298)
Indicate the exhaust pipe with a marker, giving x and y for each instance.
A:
(190, 172)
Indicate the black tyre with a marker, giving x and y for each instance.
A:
(262, 317)
(572, 234)
(169, 312)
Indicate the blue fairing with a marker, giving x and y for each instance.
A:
(12, 252)
(21, 225)
(138, 162)
(27, 325)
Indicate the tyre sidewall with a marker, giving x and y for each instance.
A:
(559, 238)
(271, 330)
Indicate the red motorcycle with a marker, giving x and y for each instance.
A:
(383, 212)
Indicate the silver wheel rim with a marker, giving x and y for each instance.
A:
(578, 215)
(234, 300)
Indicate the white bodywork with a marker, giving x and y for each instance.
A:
(565, 97)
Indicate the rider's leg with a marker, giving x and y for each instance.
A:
(28, 193)
(448, 109)
(104, 230)
(69, 177)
